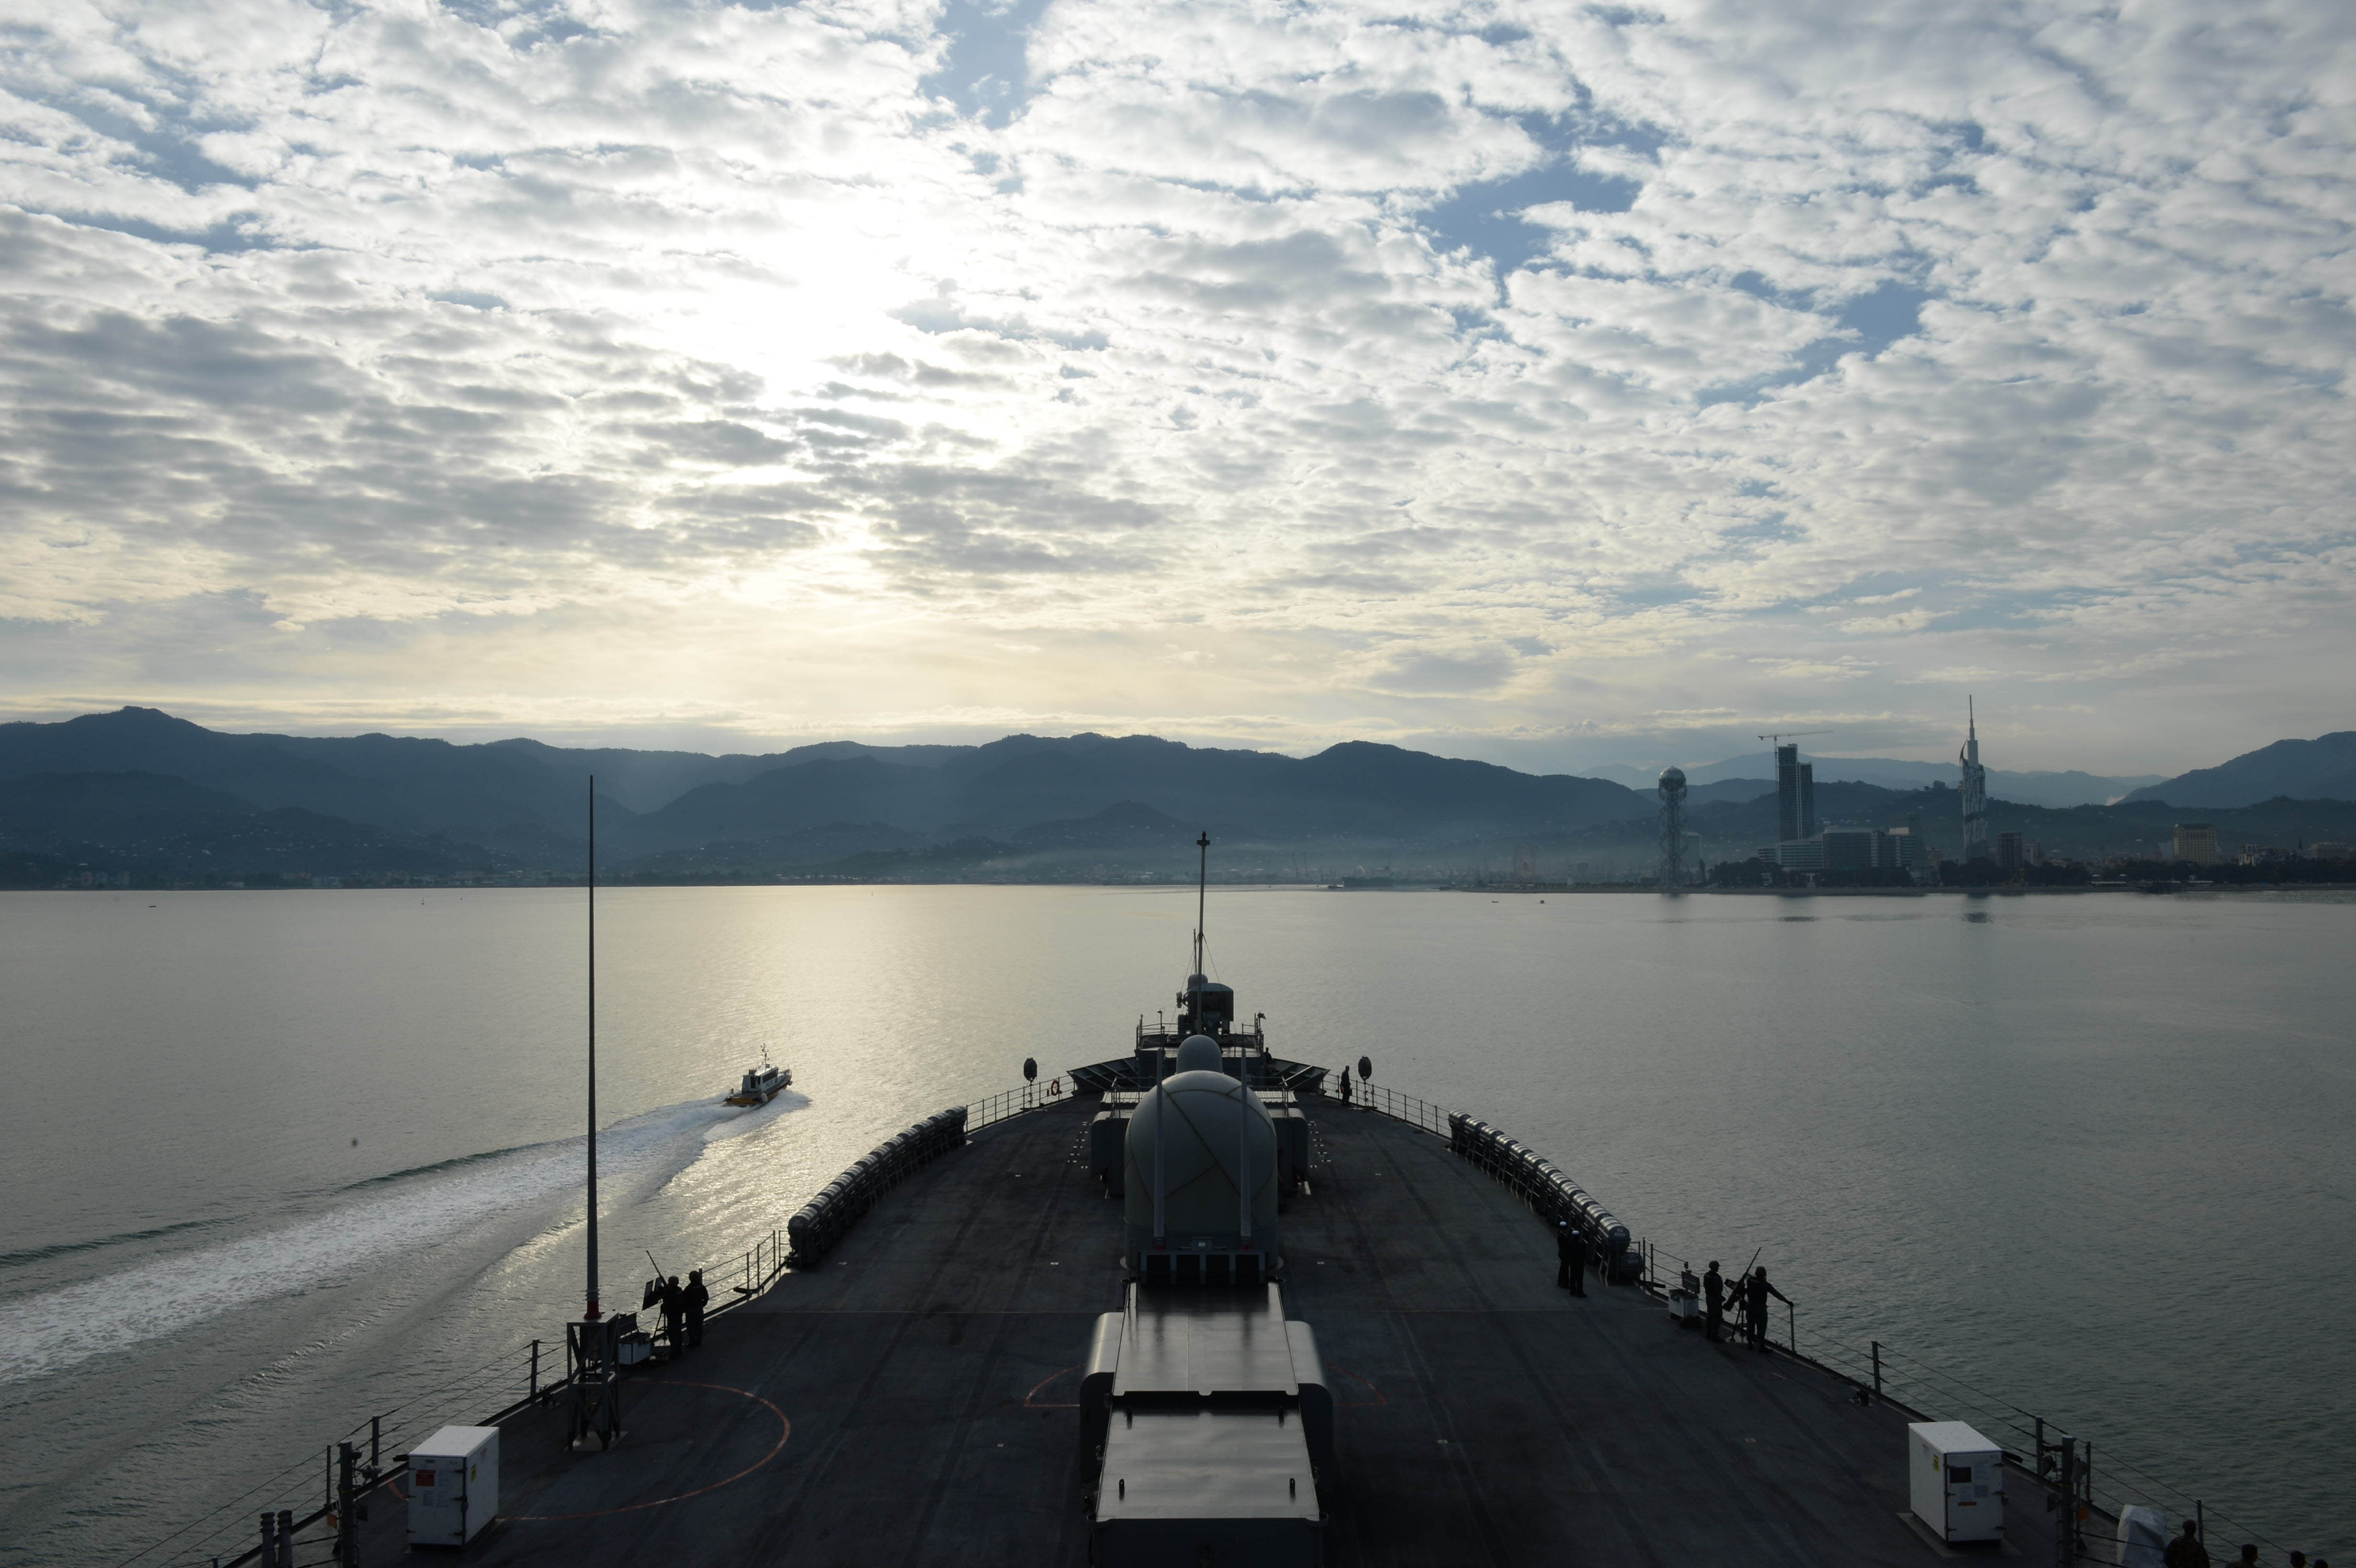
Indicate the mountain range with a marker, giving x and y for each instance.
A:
(2320, 769)
(140, 791)
(521, 804)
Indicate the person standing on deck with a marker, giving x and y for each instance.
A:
(1755, 1292)
(692, 1301)
(1713, 1287)
(673, 1303)
(1346, 1086)
(1570, 1257)
(2186, 1550)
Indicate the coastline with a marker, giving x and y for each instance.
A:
(1495, 889)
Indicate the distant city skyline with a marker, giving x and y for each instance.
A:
(1556, 388)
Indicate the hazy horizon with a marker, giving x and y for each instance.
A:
(723, 744)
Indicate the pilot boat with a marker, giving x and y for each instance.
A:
(762, 1086)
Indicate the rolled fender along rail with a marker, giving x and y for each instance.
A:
(1543, 1185)
(825, 1219)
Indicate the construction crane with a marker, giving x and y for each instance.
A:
(1777, 739)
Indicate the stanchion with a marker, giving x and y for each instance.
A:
(348, 1527)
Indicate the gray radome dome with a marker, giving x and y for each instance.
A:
(1673, 778)
(1197, 1053)
(1206, 1124)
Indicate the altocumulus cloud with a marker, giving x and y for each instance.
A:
(1472, 362)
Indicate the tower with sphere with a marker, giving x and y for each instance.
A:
(1673, 827)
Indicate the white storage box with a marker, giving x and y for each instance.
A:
(1956, 1480)
(454, 1486)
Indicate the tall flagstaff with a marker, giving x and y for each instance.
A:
(1202, 894)
(593, 1313)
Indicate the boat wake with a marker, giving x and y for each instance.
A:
(754, 1118)
(379, 1222)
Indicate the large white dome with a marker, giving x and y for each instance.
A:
(1205, 1127)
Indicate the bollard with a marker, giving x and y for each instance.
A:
(286, 1538)
(269, 1557)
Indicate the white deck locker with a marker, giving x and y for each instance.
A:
(454, 1486)
(1955, 1480)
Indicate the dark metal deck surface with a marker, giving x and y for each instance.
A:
(915, 1400)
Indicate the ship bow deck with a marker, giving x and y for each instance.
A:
(913, 1398)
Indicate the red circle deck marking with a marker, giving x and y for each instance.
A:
(1360, 1403)
(786, 1431)
(1032, 1401)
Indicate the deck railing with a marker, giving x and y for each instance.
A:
(1009, 1103)
(1385, 1101)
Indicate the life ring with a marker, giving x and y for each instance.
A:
(1054, 1087)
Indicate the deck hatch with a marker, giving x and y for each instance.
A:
(1205, 1340)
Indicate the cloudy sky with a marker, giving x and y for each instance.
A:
(1551, 383)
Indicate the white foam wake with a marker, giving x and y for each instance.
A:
(46, 1330)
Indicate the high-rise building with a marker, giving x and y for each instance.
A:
(1866, 849)
(2008, 852)
(1807, 800)
(1975, 790)
(2197, 842)
(1795, 854)
(1787, 793)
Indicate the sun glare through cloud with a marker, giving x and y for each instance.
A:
(1520, 379)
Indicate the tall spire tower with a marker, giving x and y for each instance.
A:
(1975, 790)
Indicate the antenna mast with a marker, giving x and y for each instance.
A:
(593, 1313)
(1202, 895)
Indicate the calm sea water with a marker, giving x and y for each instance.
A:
(276, 1160)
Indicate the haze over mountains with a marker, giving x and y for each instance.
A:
(144, 791)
